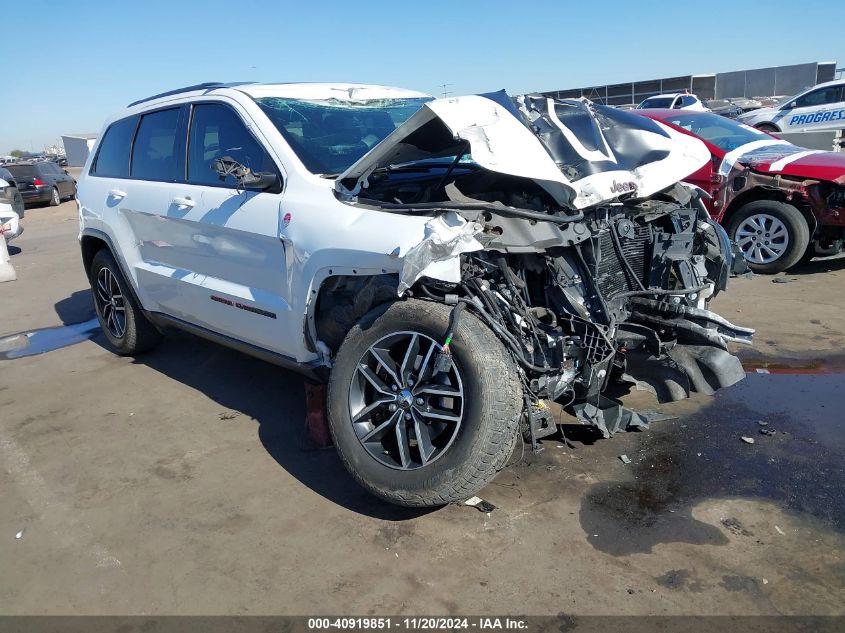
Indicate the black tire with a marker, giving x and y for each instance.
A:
(55, 198)
(767, 127)
(798, 233)
(138, 334)
(492, 407)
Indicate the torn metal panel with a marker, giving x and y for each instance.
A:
(609, 416)
(436, 256)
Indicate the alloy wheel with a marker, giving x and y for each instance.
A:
(405, 414)
(763, 238)
(110, 304)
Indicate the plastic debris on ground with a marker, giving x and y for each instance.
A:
(19, 535)
(479, 504)
(747, 440)
(652, 415)
(625, 459)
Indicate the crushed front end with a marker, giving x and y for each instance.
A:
(564, 228)
(617, 297)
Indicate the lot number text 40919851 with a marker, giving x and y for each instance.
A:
(418, 623)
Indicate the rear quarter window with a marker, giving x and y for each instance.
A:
(112, 158)
(22, 171)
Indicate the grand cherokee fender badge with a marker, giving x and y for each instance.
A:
(623, 187)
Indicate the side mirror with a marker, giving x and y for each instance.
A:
(248, 179)
(790, 105)
(259, 181)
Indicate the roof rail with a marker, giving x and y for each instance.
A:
(208, 85)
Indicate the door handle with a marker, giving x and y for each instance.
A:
(183, 202)
(117, 193)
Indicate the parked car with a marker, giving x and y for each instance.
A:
(746, 104)
(43, 181)
(60, 160)
(446, 269)
(778, 202)
(723, 107)
(9, 193)
(772, 102)
(674, 101)
(822, 107)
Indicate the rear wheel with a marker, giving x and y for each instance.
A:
(55, 198)
(412, 435)
(772, 235)
(122, 320)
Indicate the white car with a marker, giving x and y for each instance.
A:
(674, 101)
(822, 107)
(449, 266)
(10, 221)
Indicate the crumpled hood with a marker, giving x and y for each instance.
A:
(581, 153)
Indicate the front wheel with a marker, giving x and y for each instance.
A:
(772, 235)
(410, 434)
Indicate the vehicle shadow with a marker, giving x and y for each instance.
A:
(819, 265)
(76, 308)
(275, 399)
(271, 396)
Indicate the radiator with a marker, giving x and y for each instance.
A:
(611, 274)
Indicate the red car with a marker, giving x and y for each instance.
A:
(780, 203)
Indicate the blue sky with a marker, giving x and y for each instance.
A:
(74, 63)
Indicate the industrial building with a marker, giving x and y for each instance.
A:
(759, 82)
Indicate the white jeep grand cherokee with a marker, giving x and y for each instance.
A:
(451, 267)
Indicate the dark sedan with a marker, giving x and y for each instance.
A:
(43, 181)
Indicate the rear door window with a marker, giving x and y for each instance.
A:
(155, 153)
(218, 131)
(112, 159)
